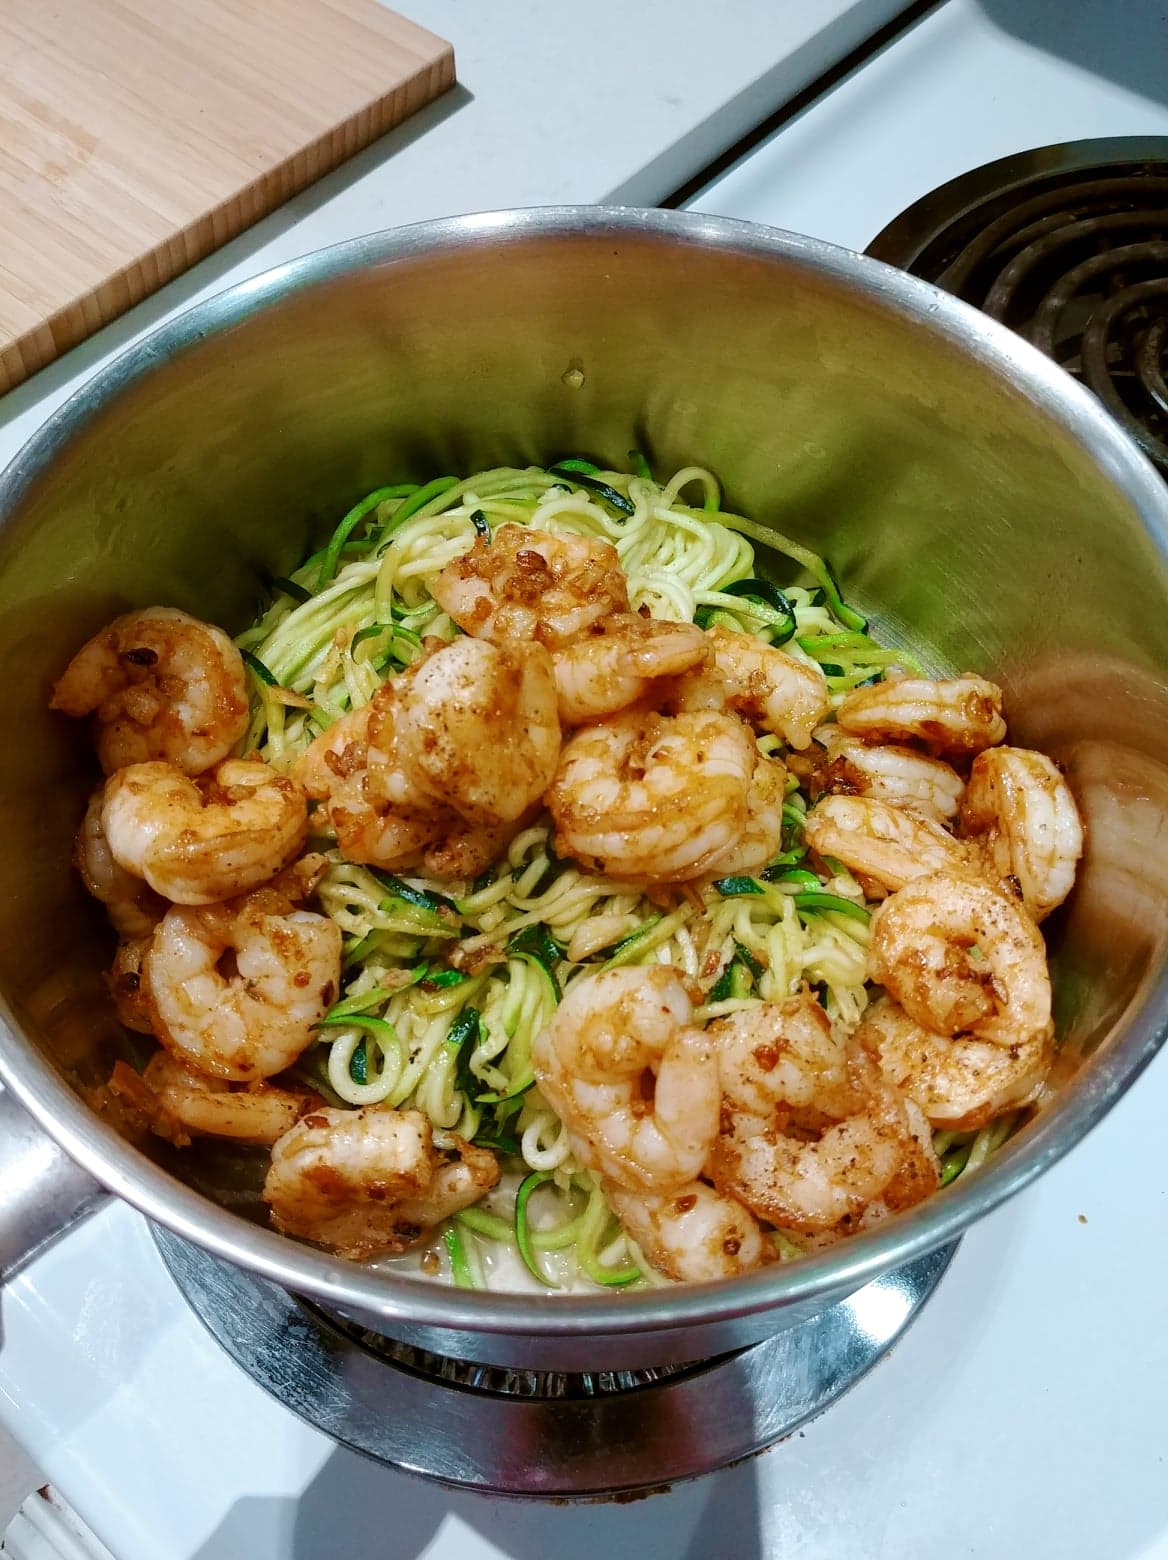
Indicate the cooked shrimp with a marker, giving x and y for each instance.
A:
(860, 1149)
(895, 775)
(388, 840)
(338, 753)
(178, 1103)
(525, 585)
(199, 841)
(438, 844)
(959, 1082)
(693, 1233)
(370, 1181)
(378, 814)
(1020, 813)
(462, 1174)
(133, 907)
(883, 842)
(962, 958)
(616, 661)
(163, 685)
(131, 1002)
(254, 1020)
(762, 837)
(770, 687)
(463, 850)
(301, 880)
(653, 798)
(776, 1054)
(635, 1086)
(957, 715)
(476, 728)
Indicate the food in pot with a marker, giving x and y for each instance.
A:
(539, 908)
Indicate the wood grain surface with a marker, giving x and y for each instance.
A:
(138, 135)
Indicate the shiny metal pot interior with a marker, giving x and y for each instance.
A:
(969, 494)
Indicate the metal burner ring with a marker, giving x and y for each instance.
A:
(571, 1442)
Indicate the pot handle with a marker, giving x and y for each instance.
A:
(42, 1191)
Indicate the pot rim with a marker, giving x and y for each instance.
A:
(335, 1281)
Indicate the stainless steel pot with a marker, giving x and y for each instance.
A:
(970, 495)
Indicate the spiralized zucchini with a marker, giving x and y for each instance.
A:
(446, 986)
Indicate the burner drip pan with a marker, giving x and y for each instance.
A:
(1068, 245)
(542, 1434)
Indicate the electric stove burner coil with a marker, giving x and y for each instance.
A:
(1068, 246)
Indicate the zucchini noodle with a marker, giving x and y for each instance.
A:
(446, 986)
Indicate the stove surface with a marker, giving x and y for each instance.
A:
(955, 92)
(1068, 245)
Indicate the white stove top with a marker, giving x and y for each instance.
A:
(1022, 1415)
(953, 93)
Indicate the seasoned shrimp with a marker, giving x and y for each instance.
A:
(777, 1054)
(860, 1149)
(635, 1086)
(338, 753)
(653, 798)
(463, 850)
(693, 1233)
(476, 728)
(131, 1002)
(958, 1081)
(762, 837)
(616, 661)
(178, 1103)
(895, 775)
(1020, 813)
(883, 842)
(962, 958)
(378, 814)
(956, 715)
(371, 1181)
(255, 1019)
(525, 585)
(199, 841)
(387, 839)
(163, 685)
(133, 907)
(770, 687)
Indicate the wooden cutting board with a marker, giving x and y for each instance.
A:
(138, 135)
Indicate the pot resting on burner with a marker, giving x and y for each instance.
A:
(532, 879)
